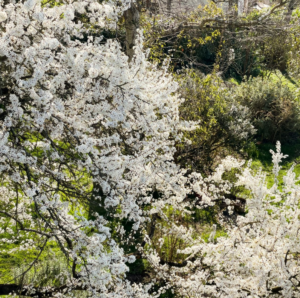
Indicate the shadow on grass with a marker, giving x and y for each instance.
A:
(262, 158)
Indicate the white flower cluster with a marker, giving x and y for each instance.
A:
(76, 115)
(80, 126)
(241, 126)
(258, 256)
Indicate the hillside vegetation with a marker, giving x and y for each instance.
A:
(149, 149)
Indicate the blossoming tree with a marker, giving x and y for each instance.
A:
(259, 257)
(82, 128)
(80, 124)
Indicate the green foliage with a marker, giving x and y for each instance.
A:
(168, 294)
(261, 159)
(293, 55)
(219, 233)
(48, 269)
(205, 216)
(207, 101)
(185, 48)
(51, 3)
(274, 109)
(238, 50)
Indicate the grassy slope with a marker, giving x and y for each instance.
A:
(262, 158)
(261, 155)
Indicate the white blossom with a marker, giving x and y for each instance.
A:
(3, 16)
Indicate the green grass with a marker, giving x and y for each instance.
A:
(262, 158)
(13, 263)
(275, 76)
(286, 80)
(220, 232)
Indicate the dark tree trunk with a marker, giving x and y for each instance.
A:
(132, 18)
(290, 8)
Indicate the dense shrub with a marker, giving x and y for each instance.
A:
(223, 123)
(273, 107)
(293, 55)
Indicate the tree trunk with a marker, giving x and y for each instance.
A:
(241, 7)
(291, 7)
(169, 7)
(246, 7)
(132, 18)
(231, 7)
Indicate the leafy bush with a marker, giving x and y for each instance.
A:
(273, 107)
(223, 123)
(293, 55)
